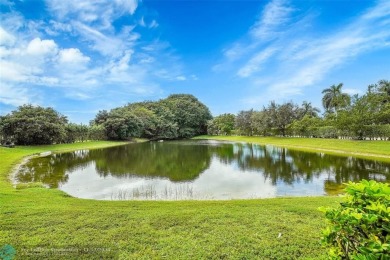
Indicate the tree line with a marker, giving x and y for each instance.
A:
(178, 116)
(354, 117)
(184, 116)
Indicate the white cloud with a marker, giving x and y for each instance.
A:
(79, 53)
(319, 56)
(127, 5)
(55, 28)
(6, 2)
(38, 47)
(275, 14)
(102, 12)
(6, 38)
(153, 24)
(109, 45)
(12, 21)
(12, 71)
(77, 95)
(262, 40)
(13, 95)
(234, 52)
(254, 64)
(142, 22)
(379, 11)
(145, 58)
(121, 65)
(281, 55)
(73, 56)
(181, 78)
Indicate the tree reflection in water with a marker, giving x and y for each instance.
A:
(184, 161)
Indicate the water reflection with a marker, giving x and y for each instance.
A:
(198, 170)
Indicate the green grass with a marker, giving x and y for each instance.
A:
(378, 150)
(45, 223)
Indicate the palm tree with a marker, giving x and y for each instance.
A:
(334, 99)
(308, 109)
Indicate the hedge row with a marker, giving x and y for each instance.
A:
(372, 132)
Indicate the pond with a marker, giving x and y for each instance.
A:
(198, 169)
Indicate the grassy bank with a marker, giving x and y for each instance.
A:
(378, 150)
(47, 223)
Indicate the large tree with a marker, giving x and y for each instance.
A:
(29, 125)
(178, 116)
(190, 114)
(334, 99)
(283, 115)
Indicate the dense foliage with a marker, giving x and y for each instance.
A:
(178, 116)
(221, 125)
(345, 116)
(360, 226)
(275, 119)
(33, 125)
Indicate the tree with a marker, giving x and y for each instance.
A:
(122, 125)
(31, 125)
(334, 99)
(178, 116)
(243, 122)
(306, 126)
(212, 127)
(221, 125)
(282, 115)
(261, 122)
(307, 109)
(384, 87)
(148, 120)
(189, 113)
(96, 132)
(76, 133)
(100, 118)
(379, 98)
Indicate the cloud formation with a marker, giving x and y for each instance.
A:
(80, 52)
(282, 55)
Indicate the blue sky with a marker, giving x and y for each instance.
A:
(80, 57)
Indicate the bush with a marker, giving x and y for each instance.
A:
(376, 131)
(360, 227)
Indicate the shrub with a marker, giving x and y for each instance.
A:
(360, 227)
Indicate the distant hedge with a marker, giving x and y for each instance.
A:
(371, 132)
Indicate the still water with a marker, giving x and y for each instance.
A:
(198, 169)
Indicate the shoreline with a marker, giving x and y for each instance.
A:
(334, 151)
(368, 156)
(363, 155)
(15, 169)
(26, 159)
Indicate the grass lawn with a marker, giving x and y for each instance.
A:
(379, 150)
(45, 223)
